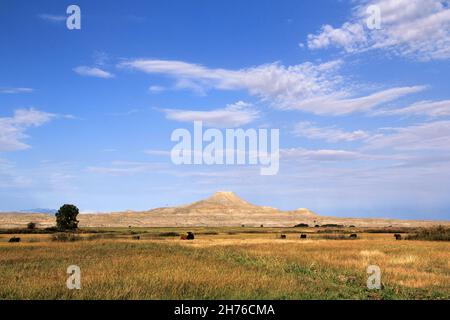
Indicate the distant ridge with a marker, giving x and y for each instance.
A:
(40, 210)
(32, 211)
(221, 209)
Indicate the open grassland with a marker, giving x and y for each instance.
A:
(223, 263)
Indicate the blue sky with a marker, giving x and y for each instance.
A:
(364, 115)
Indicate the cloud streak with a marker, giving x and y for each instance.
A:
(233, 115)
(422, 137)
(320, 155)
(52, 17)
(125, 168)
(308, 87)
(329, 134)
(93, 72)
(431, 109)
(16, 90)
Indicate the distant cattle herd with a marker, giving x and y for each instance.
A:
(304, 236)
(190, 236)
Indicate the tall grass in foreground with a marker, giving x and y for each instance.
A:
(217, 267)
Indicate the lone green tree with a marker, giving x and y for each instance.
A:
(66, 217)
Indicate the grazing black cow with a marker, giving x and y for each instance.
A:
(283, 236)
(14, 239)
(303, 236)
(398, 236)
(353, 236)
(190, 236)
(137, 237)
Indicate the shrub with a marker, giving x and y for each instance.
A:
(31, 225)
(169, 234)
(51, 229)
(391, 230)
(340, 231)
(98, 236)
(301, 225)
(334, 237)
(65, 237)
(66, 217)
(439, 233)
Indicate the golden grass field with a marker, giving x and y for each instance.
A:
(222, 263)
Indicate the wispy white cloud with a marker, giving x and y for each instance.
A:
(16, 90)
(319, 155)
(156, 89)
(93, 72)
(12, 129)
(52, 17)
(9, 178)
(267, 81)
(418, 29)
(421, 108)
(43, 177)
(101, 58)
(341, 103)
(233, 115)
(315, 88)
(124, 113)
(155, 152)
(330, 134)
(192, 85)
(120, 168)
(413, 146)
(347, 37)
(425, 137)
